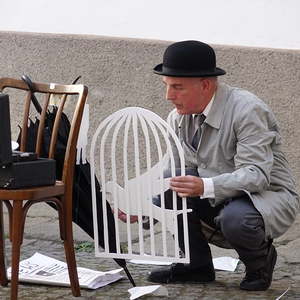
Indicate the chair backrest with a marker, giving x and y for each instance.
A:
(50, 91)
(129, 152)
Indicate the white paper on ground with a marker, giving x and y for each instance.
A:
(42, 269)
(14, 145)
(220, 263)
(139, 291)
(225, 263)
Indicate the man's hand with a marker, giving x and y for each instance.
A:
(187, 186)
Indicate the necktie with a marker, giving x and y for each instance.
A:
(198, 121)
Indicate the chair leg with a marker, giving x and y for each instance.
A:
(3, 275)
(9, 210)
(17, 217)
(70, 257)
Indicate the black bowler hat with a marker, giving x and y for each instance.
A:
(189, 59)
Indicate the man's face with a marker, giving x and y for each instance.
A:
(187, 94)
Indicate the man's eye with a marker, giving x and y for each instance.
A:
(178, 88)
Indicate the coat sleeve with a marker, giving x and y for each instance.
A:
(256, 134)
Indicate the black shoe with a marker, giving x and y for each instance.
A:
(146, 222)
(260, 280)
(183, 273)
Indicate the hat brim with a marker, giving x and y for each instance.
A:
(161, 70)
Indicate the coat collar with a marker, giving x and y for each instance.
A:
(217, 109)
(216, 112)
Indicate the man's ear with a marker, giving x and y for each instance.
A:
(206, 84)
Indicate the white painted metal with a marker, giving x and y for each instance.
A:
(130, 151)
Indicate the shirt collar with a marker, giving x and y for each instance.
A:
(208, 106)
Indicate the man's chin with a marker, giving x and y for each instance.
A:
(181, 112)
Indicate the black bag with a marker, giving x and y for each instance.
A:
(82, 212)
(62, 138)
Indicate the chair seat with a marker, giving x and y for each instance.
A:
(34, 193)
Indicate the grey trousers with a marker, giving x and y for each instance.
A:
(243, 227)
(240, 222)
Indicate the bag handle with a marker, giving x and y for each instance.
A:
(35, 102)
(30, 85)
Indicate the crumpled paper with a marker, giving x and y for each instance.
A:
(225, 263)
(139, 291)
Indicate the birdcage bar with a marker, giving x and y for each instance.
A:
(131, 199)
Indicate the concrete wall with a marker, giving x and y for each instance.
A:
(118, 73)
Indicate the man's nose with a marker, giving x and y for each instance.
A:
(170, 95)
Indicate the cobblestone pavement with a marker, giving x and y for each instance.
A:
(287, 273)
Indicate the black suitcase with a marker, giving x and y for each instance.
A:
(20, 169)
(27, 174)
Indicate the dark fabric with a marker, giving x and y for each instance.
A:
(240, 222)
(200, 254)
(82, 213)
(243, 226)
(62, 138)
(198, 121)
(82, 198)
(82, 210)
(189, 59)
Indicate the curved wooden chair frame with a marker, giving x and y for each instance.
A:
(18, 201)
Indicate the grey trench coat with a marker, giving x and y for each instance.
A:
(240, 150)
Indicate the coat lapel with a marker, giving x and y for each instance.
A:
(213, 119)
(216, 113)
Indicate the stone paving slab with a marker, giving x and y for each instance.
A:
(41, 234)
(226, 286)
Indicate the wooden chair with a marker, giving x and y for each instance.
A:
(18, 201)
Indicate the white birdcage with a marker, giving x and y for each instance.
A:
(129, 152)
